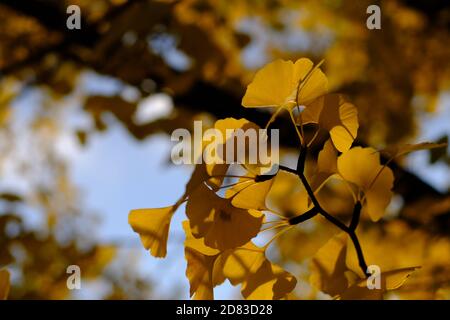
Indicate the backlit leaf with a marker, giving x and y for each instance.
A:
(362, 167)
(200, 266)
(328, 267)
(340, 118)
(276, 85)
(153, 225)
(221, 224)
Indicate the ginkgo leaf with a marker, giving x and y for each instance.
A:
(356, 292)
(397, 151)
(153, 225)
(200, 270)
(4, 284)
(248, 193)
(326, 166)
(394, 279)
(212, 170)
(197, 244)
(332, 113)
(313, 82)
(269, 282)
(276, 85)
(225, 127)
(328, 267)
(389, 280)
(200, 176)
(221, 224)
(243, 144)
(260, 278)
(362, 167)
(237, 264)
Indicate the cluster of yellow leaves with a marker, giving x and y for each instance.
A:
(246, 265)
(330, 274)
(220, 229)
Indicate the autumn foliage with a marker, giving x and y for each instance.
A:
(345, 195)
(221, 227)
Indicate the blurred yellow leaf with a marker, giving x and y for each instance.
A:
(397, 151)
(4, 284)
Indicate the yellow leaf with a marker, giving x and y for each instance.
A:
(198, 244)
(4, 284)
(326, 166)
(362, 167)
(249, 194)
(389, 280)
(200, 266)
(276, 85)
(328, 267)
(199, 272)
(313, 84)
(394, 279)
(356, 292)
(397, 151)
(269, 282)
(260, 278)
(213, 172)
(153, 225)
(237, 264)
(221, 224)
(340, 118)
(217, 170)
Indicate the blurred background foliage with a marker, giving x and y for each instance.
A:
(199, 55)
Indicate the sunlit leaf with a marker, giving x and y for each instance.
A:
(332, 113)
(276, 85)
(249, 194)
(328, 267)
(239, 263)
(362, 167)
(200, 266)
(221, 224)
(326, 166)
(153, 225)
(269, 282)
(260, 278)
(389, 280)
